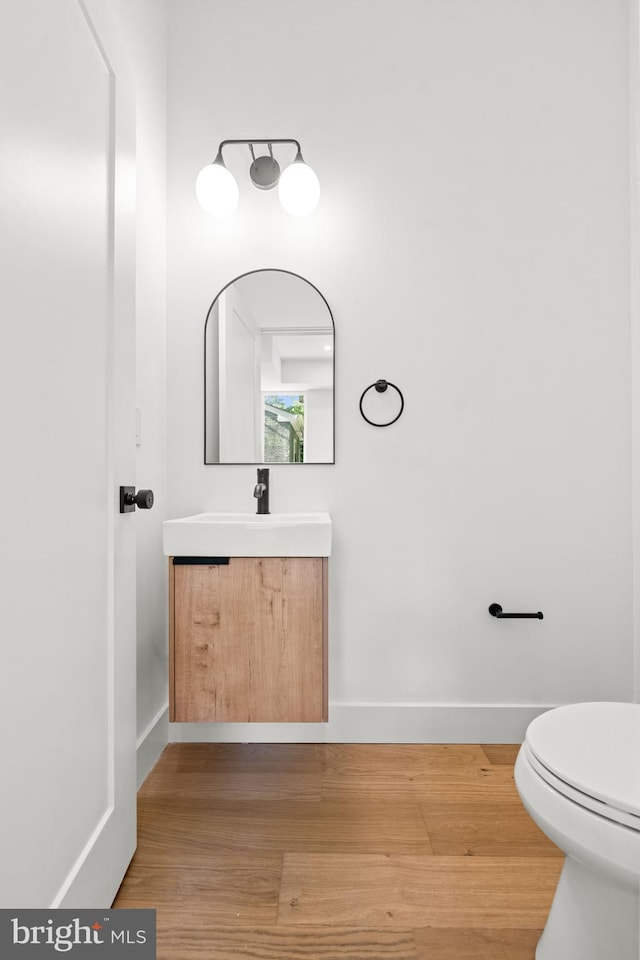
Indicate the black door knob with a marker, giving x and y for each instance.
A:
(143, 499)
(129, 499)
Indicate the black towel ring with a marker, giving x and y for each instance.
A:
(380, 387)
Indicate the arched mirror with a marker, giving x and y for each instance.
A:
(269, 372)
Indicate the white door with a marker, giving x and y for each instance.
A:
(67, 440)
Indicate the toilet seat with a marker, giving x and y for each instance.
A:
(590, 753)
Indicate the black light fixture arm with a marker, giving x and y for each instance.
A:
(265, 170)
(269, 141)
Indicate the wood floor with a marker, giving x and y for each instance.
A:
(340, 852)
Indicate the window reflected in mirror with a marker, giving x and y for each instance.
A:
(269, 372)
(283, 428)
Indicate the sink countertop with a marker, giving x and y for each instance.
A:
(249, 535)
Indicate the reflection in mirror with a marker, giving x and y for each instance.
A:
(269, 372)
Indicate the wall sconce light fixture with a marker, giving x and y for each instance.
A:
(298, 186)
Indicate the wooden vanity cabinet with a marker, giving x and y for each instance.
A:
(248, 639)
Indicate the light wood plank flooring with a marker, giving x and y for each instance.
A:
(340, 852)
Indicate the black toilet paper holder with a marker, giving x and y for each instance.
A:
(496, 611)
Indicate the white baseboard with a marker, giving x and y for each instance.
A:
(92, 880)
(151, 743)
(379, 723)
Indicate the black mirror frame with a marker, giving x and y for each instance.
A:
(291, 273)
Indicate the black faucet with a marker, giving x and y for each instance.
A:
(261, 490)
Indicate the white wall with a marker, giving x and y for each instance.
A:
(145, 25)
(634, 154)
(472, 241)
(318, 426)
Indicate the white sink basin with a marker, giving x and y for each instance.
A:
(248, 535)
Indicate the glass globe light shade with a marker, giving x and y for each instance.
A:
(217, 190)
(298, 189)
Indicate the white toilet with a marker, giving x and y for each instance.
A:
(578, 774)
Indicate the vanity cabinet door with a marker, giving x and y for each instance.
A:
(249, 640)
